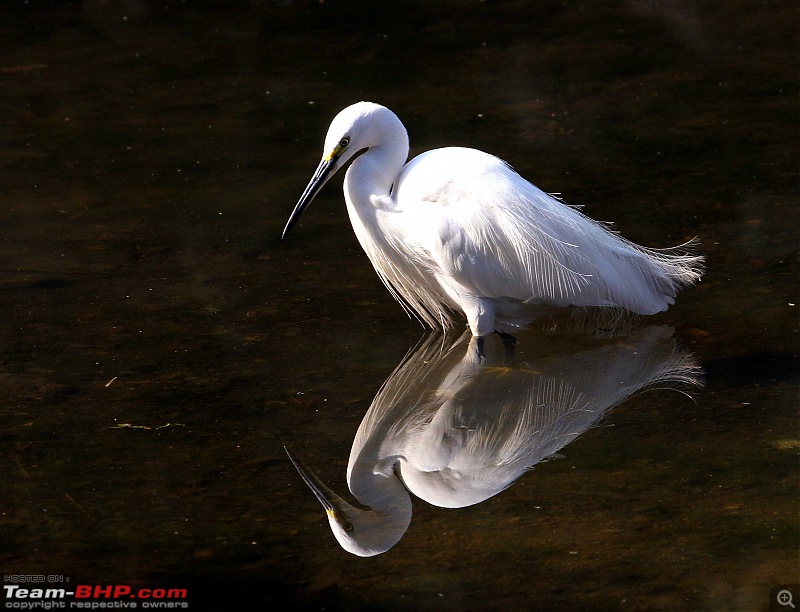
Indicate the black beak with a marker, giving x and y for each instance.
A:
(325, 170)
(329, 500)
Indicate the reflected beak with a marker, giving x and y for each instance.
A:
(329, 500)
(325, 170)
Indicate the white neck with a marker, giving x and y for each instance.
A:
(373, 482)
(372, 175)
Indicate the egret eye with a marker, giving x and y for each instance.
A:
(348, 527)
(344, 141)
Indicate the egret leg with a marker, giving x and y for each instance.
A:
(480, 314)
(509, 342)
(507, 338)
(480, 348)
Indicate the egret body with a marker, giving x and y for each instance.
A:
(456, 229)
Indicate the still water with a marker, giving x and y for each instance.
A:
(160, 346)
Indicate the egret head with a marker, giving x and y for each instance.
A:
(364, 533)
(353, 131)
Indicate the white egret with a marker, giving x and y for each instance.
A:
(454, 430)
(456, 229)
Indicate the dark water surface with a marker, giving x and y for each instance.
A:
(159, 344)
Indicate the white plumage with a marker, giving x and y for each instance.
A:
(456, 229)
(454, 429)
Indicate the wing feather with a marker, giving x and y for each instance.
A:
(498, 236)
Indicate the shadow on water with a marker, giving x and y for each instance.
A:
(159, 345)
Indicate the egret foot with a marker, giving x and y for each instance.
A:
(509, 342)
(507, 338)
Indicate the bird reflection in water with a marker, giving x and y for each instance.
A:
(455, 428)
